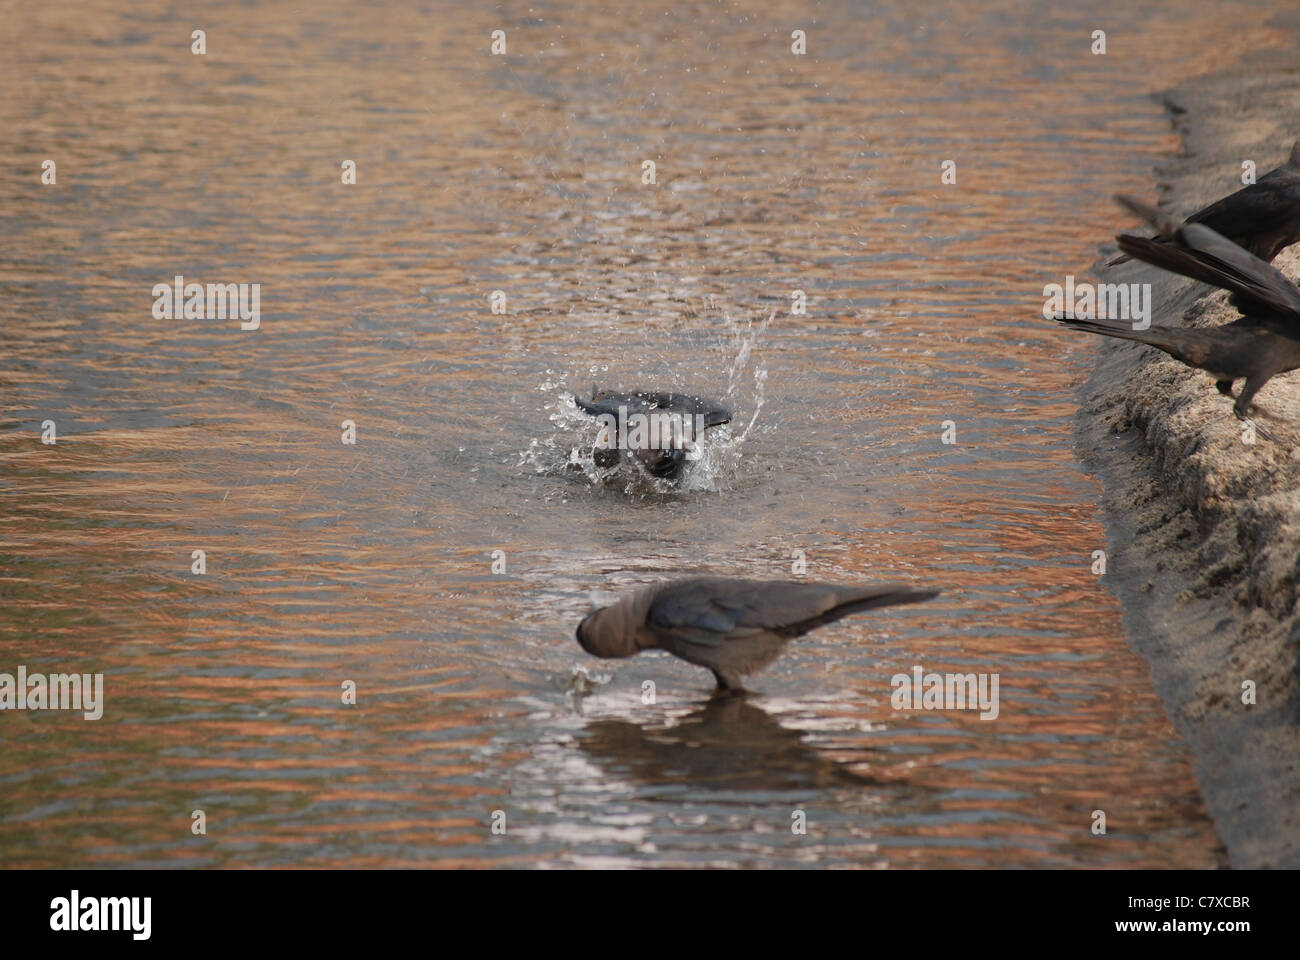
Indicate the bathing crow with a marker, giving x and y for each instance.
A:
(673, 424)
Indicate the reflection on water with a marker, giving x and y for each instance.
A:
(372, 563)
(726, 744)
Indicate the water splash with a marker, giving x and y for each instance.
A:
(568, 449)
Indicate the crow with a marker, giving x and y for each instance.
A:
(1263, 342)
(732, 627)
(1264, 217)
(675, 423)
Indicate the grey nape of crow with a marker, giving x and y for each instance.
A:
(1263, 342)
(1264, 217)
(663, 452)
(732, 627)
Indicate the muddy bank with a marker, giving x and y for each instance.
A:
(1203, 527)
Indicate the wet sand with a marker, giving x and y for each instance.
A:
(1204, 529)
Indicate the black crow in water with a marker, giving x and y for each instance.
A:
(661, 442)
(1264, 217)
(1263, 342)
(732, 627)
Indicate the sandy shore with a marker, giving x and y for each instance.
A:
(1204, 529)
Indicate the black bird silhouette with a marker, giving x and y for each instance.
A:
(663, 451)
(1263, 342)
(732, 627)
(1264, 217)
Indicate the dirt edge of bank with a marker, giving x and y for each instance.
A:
(1203, 529)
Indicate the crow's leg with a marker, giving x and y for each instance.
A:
(728, 684)
(1224, 387)
(1248, 390)
(1245, 402)
(1241, 409)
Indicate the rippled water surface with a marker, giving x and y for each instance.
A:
(372, 562)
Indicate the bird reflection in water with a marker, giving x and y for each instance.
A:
(727, 743)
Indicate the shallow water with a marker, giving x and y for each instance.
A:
(372, 563)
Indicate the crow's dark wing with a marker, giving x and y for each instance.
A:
(1160, 253)
(1263, 207)
(1203, 254)
(646, 401)
(1256, 286)
(706, 611)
